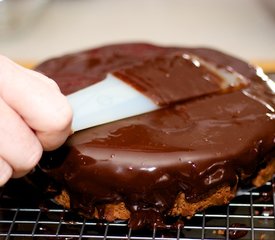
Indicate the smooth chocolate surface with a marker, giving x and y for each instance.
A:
(209, 140)
(171, 78)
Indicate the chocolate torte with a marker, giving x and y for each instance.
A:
(211, 136)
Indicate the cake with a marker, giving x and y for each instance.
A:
(210, 137)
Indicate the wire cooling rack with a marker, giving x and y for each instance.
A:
(249, 216)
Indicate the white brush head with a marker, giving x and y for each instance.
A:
(106, 101)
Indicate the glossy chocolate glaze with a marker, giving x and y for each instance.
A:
(194, 146)
(171, 78)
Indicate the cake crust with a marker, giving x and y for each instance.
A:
(119, 211)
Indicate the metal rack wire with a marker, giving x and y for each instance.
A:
(249, 216)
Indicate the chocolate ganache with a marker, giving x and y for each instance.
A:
(204, 138)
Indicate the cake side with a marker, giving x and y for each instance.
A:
(181, 207)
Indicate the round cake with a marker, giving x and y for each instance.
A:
(211, 136)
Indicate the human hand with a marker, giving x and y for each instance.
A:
(35, 116)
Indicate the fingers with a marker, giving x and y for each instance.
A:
(38, 101)
(40, 76)
(35, 115)
(5, 172)
(20, 148)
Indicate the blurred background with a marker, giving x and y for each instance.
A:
(34, 30)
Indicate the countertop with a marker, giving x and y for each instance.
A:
(244, 28)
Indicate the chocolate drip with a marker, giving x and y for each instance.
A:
(194, 147)
(236, 234)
